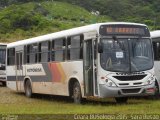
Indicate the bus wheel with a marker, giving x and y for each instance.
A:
(121, 100)
(77, 97)
(28, 89)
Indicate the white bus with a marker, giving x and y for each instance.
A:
(155, 35)
(100, 60)
(3, 47)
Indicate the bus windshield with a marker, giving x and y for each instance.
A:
(2, 57)
(126, 55)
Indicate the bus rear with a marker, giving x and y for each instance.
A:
(125, 61)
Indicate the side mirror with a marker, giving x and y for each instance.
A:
(100, 48)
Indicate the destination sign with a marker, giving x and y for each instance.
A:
(124, 30)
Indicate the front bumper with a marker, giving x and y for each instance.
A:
(2, 79)
(106, 91)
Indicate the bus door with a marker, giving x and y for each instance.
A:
(88, 56)
(19, 70)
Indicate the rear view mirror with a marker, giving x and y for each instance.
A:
(100, 48)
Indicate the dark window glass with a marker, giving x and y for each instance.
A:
(156, 48)
(32, 54)
(75, 48)
(58, 50)
(44, 54)
(2, 54)
(11, 56)
(25, 55)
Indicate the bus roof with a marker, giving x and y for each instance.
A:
(73, 31)
(155, 34)
(3, 43)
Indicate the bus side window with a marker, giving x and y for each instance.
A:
(52, 51)
(32, 53)
(25, 55)
(156, 48)
(95, 49)
(44, 51)
(74, 45)
(58, 50)
(11, 56)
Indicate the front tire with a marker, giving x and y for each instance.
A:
(28, 89)
(77, 96)
(121, 100)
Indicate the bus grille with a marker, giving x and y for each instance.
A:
(130, 78)
(131, 90)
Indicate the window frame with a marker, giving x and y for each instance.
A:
(70, 48)
(156, 50)
(41, 52)
(12, 57)
(54, 50)
(29, 53)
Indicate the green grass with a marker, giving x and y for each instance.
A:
(16, 103)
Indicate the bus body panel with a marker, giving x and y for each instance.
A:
(157, 72)
(49, 78)
(53, 77)
(132, 87)
(155, 35)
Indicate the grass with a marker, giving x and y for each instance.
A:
(16, 103)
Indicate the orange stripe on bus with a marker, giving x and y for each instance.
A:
(57, 72)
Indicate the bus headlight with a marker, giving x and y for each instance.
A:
(110, 83)
(149, 81)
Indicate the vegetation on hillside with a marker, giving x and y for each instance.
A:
(33, 19)
(27, 18)
(141, 11)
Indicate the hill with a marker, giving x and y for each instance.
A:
(20, 21)
(141, 11)
(27, 18)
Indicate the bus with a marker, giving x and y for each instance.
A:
(3, 47)
(102, 60)
(155, 35)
